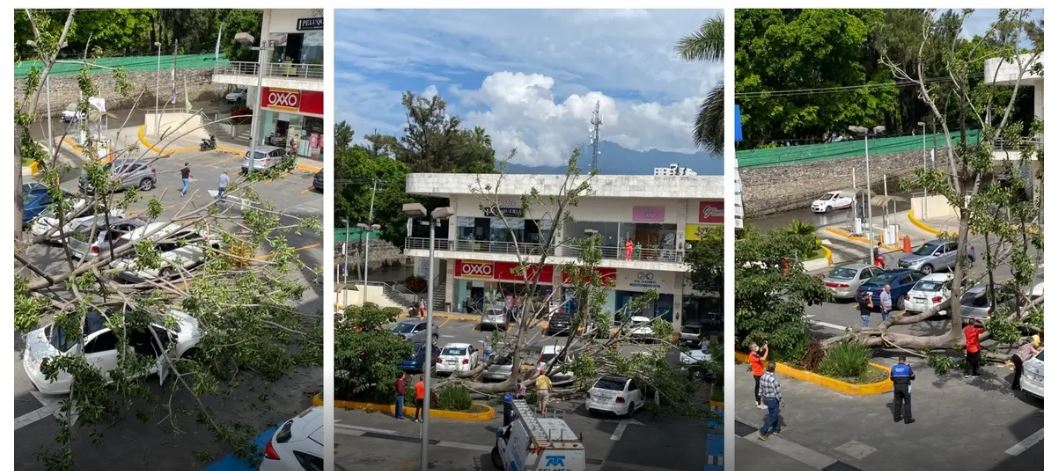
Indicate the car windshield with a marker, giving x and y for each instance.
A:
(404, 328)
(612, 384)
(843, 273)
(929, 285)
(926, 249)
(1040, 356)
(454, 351)
(94, 322)
(826, 196)
(975, 299)
(882, 278)
(259, 154)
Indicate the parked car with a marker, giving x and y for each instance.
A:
(975, 304)
(417, 361)
(549, 353)
(126, 174)
(692, 360)
(843, 281)
(495, 318)
(502, 366)
(297, 445)
(640, 328)
(179, 334)
(1032, 376)
(35, 200)
(618, 395)
(48, 219)
(559, 323)
(73, 115)
(458, 357)
(265, 157)
(691, 334)
(931, 291)
(236, 96)
(831, 200)
(937, 254)
(88, 240)
(179, 250)
(46, 225)
(415, 330)
(900, 283)
(317, 181)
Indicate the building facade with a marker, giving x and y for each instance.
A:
(291, 95)
(646, 224)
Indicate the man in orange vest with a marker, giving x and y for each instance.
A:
(973, 332)
(756, 364)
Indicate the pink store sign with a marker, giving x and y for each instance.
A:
(648, 214)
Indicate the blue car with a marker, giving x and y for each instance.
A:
(900, 283)
(35, 199)
(414, 364)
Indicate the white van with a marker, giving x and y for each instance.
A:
(529, 443)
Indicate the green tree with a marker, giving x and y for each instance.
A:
(356, 171)
(706, 258)
(707, 44)
(434, 142)
(366, 354)
(343, 137)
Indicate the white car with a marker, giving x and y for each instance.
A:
(264, 158)
(179, 250)
(297, 445)
(461, 357)
(831, 200)
(640, 328)
(100, 347)
(547, 354)
(618, 395)
(236, 96)
(929, 292)
(692, 360)
(1032, 376)
(72, 115)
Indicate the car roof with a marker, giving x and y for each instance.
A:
(457, 345)
(307, 423)
(265, 149)
(614, 378)
(552, 348)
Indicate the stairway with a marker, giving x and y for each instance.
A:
(439, 297)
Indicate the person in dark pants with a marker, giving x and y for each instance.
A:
(973, 332)
(420, 396)
(757, 357)
(400, 387)
(902, 375)
(771, 394)
(1024, 353)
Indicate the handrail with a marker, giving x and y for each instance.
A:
(524, 248)
(272, 69)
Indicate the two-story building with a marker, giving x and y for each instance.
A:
(290, 60)
(646, 225)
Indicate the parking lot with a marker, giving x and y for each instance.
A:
(181, 442)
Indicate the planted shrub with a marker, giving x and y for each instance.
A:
(846, 360)
(454, 397)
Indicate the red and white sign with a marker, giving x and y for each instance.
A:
(711, 212)
(290, 100)
(508, 271)
(475, 269)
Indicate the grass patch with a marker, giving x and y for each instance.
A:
(847, 361)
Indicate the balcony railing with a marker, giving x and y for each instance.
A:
(273, 69)
(525, 248)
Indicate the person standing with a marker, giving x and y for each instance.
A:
(543, 392)
(902, 375)
(971, 255)
(973, 332)
(1024, 353)
(222, 184)
(771, 394)
(399, 385)
(865, 309)
(185, 179)
(420, 395)
(422, 308)
(886, 301)
(628, 249)
(756, 365)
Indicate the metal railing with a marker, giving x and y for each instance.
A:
(481, 246)
(273, 69)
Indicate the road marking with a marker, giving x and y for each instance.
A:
(464, 446)
(443, 323)
(1021, 446)
(365, 429)
(827, 324)
(621, 426)
(792, 450)
(448, 336)
(36, 415)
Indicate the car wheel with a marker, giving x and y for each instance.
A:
(166, 273)
(146, 184)
(496, 460)
(927, 269)
(826, 209)
(698, 374)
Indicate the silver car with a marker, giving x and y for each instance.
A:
(414, 330)
(937, 254)
(87, 244)
(843, 281)
(265, 157)
(127, 174)
(975, 303)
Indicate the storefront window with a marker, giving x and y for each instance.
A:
(662, 307)
(300, 135)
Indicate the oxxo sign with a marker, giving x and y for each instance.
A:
(282, 98)
(474, 269)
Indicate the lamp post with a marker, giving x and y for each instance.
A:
(266, 46)
(418, 210)
(367, 250)
(157, 89)
(345, 266)
(867, 158)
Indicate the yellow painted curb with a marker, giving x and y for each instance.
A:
(855, 238)
(837, 385)
(921, 225)
(308, 167)
(391, 409)
(716, 404)
(828, 254)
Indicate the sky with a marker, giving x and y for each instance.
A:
(531, 78)
(980, 20)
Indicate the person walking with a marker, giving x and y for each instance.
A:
(1024, 353)
(756, 365)
(222, 184)
(972, 332)
(971, 256)
(902, 375)
(771, 395)
(420, 395)
(185, 179)
(886, 301)
(422, 308)
(865, 309)
(543, 392)
(399, 385)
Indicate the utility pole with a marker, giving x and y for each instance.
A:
(596, 121)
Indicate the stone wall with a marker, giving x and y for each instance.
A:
(64, 89)
(768, 190)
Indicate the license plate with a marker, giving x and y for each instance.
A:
(921, 300)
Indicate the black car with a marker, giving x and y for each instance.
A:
(559, 323)
(317, 181)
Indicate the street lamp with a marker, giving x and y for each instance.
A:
(367, 250)
(157, 90)
(417, 210)
(345, 266)
(247, 39)
(867, 157)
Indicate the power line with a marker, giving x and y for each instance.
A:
(837, 89)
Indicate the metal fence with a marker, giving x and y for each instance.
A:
(840, 150)
(273, 69)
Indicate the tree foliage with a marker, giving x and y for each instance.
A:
(707, 44)
(433, 140)
(356, 171)
(366, 354)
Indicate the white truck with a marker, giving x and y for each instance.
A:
(530, 443)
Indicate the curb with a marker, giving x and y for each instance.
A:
(829, 254)
(855, 238)
(317, 400)
(836, 385)
(921, 225)
(141, 135)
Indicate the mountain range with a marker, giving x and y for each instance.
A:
(617, 160)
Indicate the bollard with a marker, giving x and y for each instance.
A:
(907, 243)
(508, 409)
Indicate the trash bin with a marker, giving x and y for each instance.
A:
(508, 409)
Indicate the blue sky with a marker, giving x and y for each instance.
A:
(530, 77)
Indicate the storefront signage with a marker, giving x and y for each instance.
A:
(474, 269)
(691, 232)
(490, 211)
(310, 24)
(608, 277)
(711, 212)
(642, 280)
(509, 271)
(290, 100)
(648, 214)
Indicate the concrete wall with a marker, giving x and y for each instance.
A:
(933, 207)
(64, 89)
(767, 190)
(286, 21)
(175, 125)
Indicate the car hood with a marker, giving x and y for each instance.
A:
(914, 258)
(38, 347)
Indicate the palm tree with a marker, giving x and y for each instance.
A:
(707, 44)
